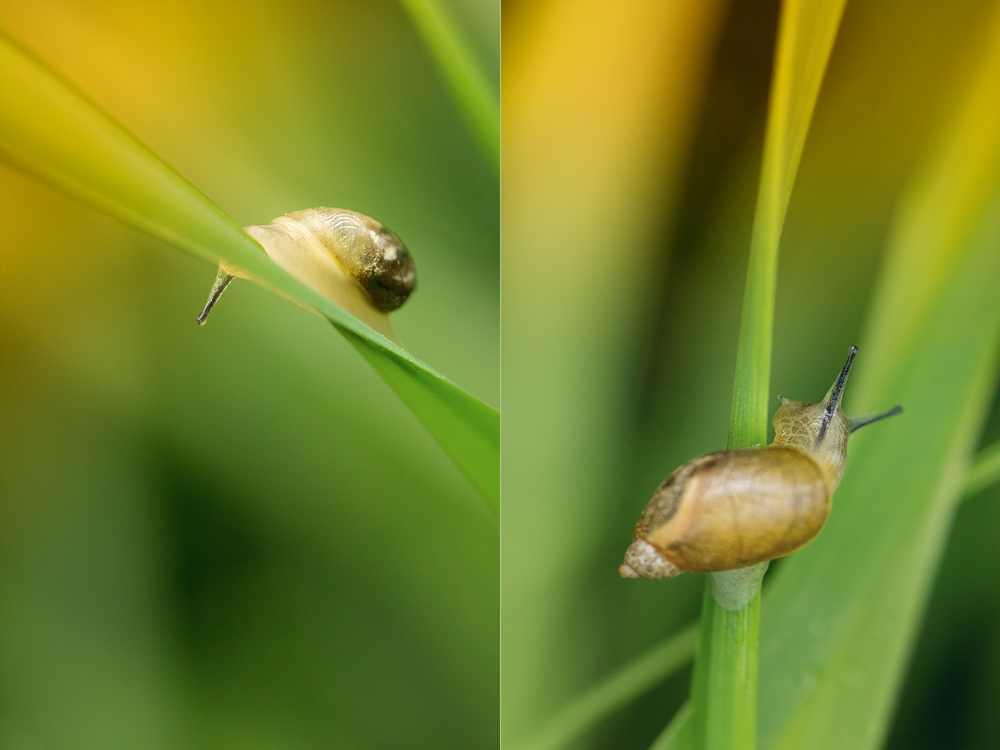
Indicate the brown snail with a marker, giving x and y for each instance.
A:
(346, 256)
(736, 508)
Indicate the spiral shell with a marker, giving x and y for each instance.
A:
(344, 255)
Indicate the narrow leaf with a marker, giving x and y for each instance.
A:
(624, 686)
(805, 40)
(724, 687)
(53, 132)
(677, 734)
(985, 470)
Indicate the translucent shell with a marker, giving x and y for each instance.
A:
(346, 256)
(370, 254)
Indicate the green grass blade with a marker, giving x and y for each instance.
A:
(724, 687)
(469, 88)
(468, 430)
(805, 39)
(616, 691)
(842, 614)
(677, 734)
(985, 471)
(51, 131)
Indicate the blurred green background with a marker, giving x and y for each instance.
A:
(238, 536)
(632, 142)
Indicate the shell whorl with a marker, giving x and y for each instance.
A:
(370, 254)
(345, 256)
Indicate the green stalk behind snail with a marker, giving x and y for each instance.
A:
(736, 508)
(346, 256)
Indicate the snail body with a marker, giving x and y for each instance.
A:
(344, 255)
(736, 508)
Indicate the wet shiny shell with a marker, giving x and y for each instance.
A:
(370, 254)
(736, 508)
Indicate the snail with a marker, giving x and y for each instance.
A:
(736, 508)
(346, 256)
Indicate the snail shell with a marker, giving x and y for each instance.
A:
(344, 255)
(737, 508)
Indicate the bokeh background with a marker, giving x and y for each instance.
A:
(632, 139)
(237, 536)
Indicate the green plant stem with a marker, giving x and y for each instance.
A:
(624, 686)
(805, 39)
(724, 687)
(985, 470)
(469, 88)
